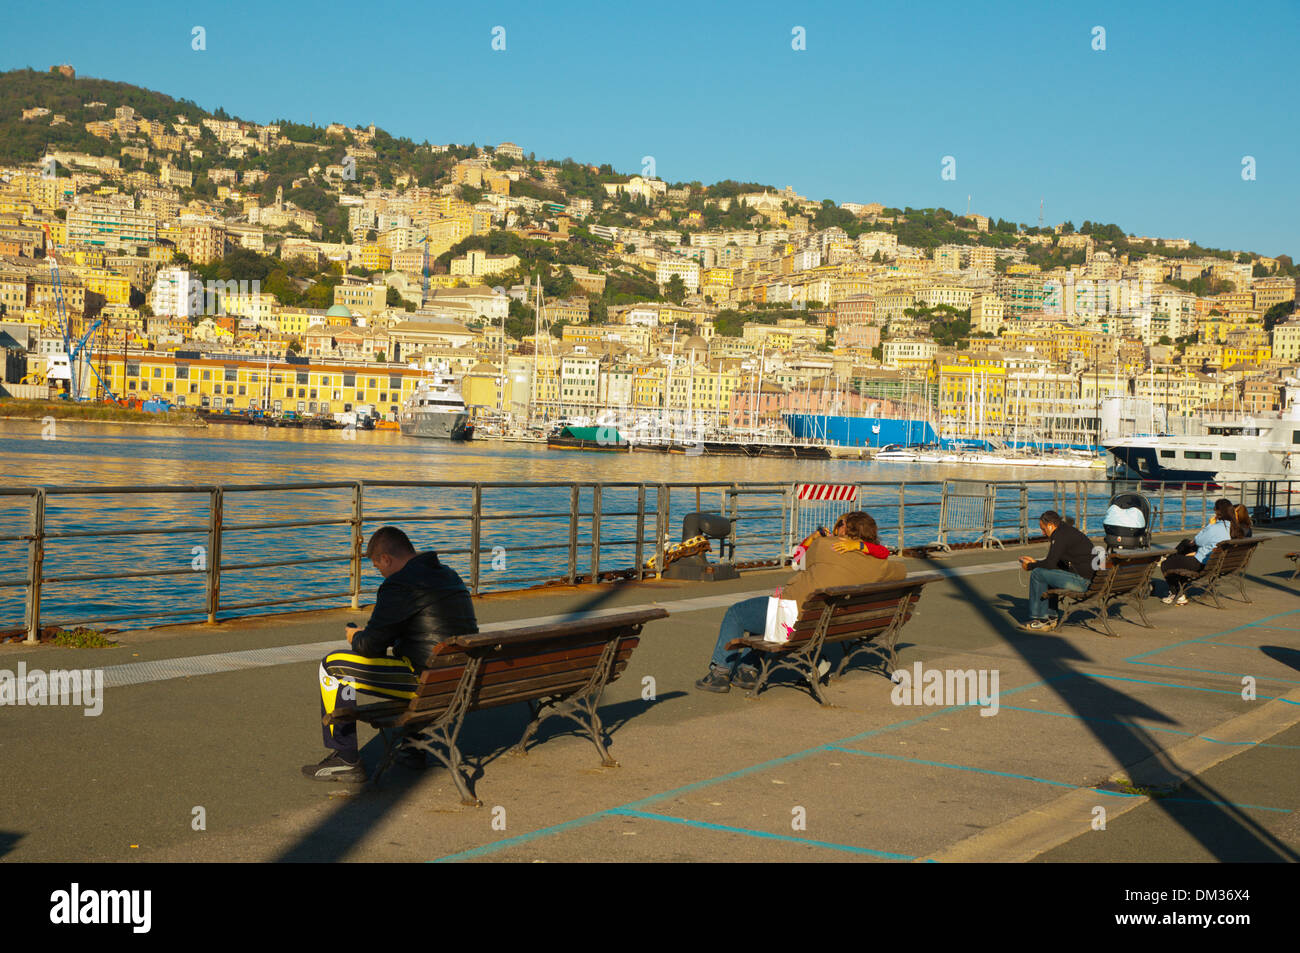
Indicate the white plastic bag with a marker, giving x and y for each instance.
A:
(781, 616)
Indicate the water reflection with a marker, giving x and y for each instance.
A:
(110, 455)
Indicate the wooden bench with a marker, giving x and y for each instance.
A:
(1227, 561)
(1124, 580)
(558, 669)
(859, 618)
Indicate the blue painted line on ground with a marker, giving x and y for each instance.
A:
(1059, 784)
(953, 767)
(1190, 688)
(633, 805)
(518, 839)
(1217, 671)
(1173, 645)
(1172, 731)
(766, 835)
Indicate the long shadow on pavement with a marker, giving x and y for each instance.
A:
(339, 833)
(1215, 827)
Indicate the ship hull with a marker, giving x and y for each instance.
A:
(438, 427)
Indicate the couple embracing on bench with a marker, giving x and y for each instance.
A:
(848, 555)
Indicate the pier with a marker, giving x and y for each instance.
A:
(1143, 747)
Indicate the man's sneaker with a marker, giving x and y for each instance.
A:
(1169, 599)
(1039, 625)
(1181, 600)
(746, 678)
(716, 681)
(334, 768)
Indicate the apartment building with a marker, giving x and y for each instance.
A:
(476, 264)
(110, 225)
(361, 297)
(909, 352)
(688, 271)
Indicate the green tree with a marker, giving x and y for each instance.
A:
(675, 289)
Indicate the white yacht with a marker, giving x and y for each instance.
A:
(436, 409)
(1231, 449)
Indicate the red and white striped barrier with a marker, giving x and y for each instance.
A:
(828, 491)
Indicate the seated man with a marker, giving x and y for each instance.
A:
(851, 557)
(1067, 565)
(420, 603)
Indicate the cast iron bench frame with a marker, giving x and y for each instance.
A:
(1124, 580)
(859, 618)
(1228, 560)
(558, 669)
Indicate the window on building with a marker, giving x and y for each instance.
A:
(302, 377)
(231, 373)
(1227, 456)
(312, 395)
(242, 391)
(302, 392)
(1167, 453)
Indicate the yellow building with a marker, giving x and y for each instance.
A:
(241, 385)
(376, 258)
(116, 289)
(972, 396)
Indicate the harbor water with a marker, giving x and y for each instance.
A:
(525, 529)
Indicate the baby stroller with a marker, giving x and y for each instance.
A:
(1126, 537)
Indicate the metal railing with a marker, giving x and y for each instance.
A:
(574, 532)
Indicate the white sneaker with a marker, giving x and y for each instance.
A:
(1168, 600)
(823, 667)
(1181, 600)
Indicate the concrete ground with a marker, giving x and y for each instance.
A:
(1175, 743)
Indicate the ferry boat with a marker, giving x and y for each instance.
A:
(1232, 449)
(436, 409)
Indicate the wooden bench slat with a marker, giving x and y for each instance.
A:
(434, 677)
(574, 627)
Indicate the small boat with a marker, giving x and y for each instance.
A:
(600, 439)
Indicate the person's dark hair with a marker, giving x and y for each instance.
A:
(1242, 515)
(859, 525)
(1050, 518)
(390, 540)
(1224, 512)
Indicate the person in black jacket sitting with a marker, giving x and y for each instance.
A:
(420, 603)
(1067, 565)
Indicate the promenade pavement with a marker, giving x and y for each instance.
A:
(1136, 748)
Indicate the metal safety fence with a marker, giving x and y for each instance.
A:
(74, 555)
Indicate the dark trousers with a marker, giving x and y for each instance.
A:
(342, 675)
(1177, 583)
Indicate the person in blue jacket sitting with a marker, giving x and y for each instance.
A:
(1192, 554)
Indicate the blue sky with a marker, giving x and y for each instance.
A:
(1149, 133)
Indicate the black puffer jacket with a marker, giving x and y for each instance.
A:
(417, 607)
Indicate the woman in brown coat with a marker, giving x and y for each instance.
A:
(851, 556)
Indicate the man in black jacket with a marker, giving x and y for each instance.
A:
(420, 603)
(1068, 565)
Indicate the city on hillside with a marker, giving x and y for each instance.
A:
(155, 254)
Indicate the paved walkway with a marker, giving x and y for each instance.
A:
(1148, 734)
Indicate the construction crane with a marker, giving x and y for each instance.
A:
(65, 326)
(424, 295)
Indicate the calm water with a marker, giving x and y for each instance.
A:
(103, 455)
